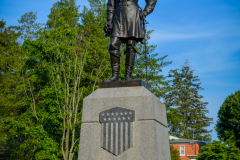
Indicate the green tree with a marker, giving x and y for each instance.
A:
(98, 61)
(29, 26)
(154, 79)
(218, 150)
(228, 124)
(63, 12)
(185, 110)
(47, 84)
(175, 155)
(11, 59)
(64, 64)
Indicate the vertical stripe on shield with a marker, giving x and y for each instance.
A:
(104, 135)
(109, 137)
(123, 136)
(119, 137)
(116, 140)
(129, 135)
(114, 137)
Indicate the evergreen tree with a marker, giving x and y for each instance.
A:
(228, 124)
(185, 110)
(11, 60)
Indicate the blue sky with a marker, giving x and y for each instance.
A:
(204, 32)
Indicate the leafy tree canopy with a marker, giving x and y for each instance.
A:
(63, 65)
(64, 13)
(218, 150)
(11, 60)
(29, 26)
(228, 124)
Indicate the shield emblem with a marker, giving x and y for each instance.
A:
(117, 129)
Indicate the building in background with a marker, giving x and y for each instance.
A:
(188, 148)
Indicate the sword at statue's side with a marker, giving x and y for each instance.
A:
(144, 22)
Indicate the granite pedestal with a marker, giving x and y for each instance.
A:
(142, 136)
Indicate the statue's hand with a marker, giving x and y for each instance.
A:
(143, 14)
(107, 27)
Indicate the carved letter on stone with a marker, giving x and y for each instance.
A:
(117, 129)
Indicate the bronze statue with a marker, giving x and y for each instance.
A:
(124, 25)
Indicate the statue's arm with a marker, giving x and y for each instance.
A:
(150, 5)
(110, 11)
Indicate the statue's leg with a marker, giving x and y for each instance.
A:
(130, 58)
(115, 55)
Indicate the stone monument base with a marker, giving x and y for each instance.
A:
(125, 123)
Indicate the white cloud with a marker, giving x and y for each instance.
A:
(168, 36)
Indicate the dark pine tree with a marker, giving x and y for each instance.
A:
(11, 60)
(185, 110)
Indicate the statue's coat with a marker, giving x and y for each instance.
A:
(125, 17)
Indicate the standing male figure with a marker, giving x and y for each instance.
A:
(124, 25)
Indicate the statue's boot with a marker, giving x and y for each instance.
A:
(129, 61)
(115, 63)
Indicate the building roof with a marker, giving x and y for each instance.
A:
(173, 137)
(181, 141)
